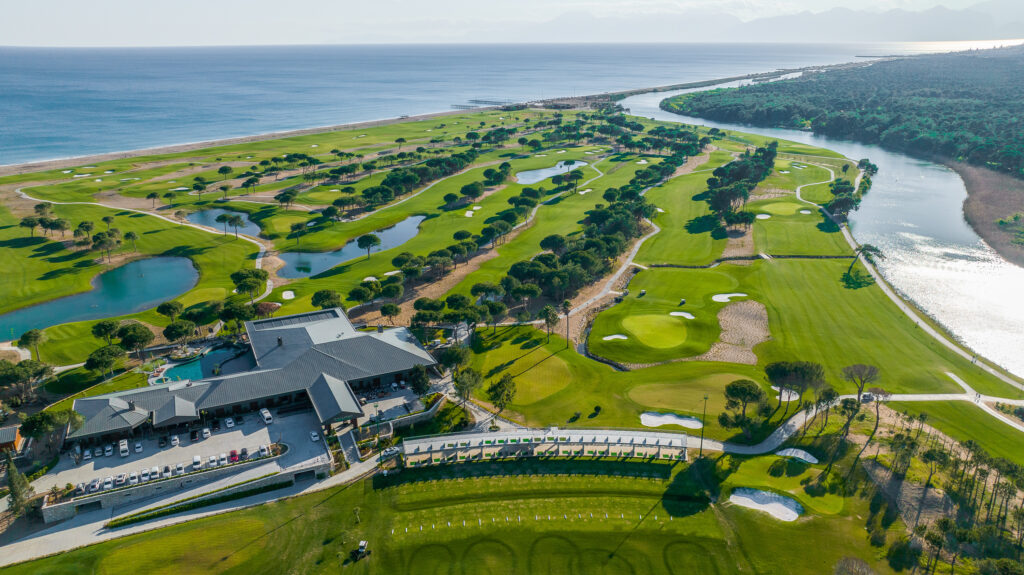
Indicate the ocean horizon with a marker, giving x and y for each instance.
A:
(68, 102)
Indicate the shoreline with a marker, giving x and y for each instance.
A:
(576, 101)
(991, 195)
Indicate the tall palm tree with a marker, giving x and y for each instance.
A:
(869, 251)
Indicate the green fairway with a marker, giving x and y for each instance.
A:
(529, 517)
(788, 231)
(688, 233)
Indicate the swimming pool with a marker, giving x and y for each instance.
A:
(203, 367)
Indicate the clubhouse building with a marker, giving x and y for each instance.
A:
(317, 359)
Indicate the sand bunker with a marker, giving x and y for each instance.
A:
(475, 208)
(589, 153)
(787, 395)
(109, 172)
(655, 419)
(67, 171)
(370, 279)
(797, 454)
(97, 180)
(541, 156)
(560, 152)
(586, 191)
(783, 171)
(744, 325)
(614, 336)
(392, 273)
(288, 294)
(659, 210)
(81, 176)
(180, 189)
(778, 506)
(685, 314)
(763, 216)
(469, 213)
(314, 146)
(724, 297)
(805, 212)
(641, 162)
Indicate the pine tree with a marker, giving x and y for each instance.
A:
(21, 491)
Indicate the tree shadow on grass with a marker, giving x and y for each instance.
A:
(702, 224)
(788, 466)
(857, 279)
(827, 226)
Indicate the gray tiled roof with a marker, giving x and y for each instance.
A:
(319, 352)
(8, 434)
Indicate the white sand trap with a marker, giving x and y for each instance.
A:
(589, 153)
(586, 191)
(180, 189)
(659, 210)
(475, 208)
(655, 419)
(109, 172)
(541, 156)
(392, 273)
(361, 136)
(88, 167)
(805, 212)
(98, 180)
(778, 506)
(370, 279)
(797, 454)
(685, 314)
(248, 157)
(614, 336)
(289, 294)
(66, 171)
(783, 171)
(788, 395)
(641, 162)
(763, 216)
(81, 176)
(335, 190)
(469, 213)
(430, 129)
(173, 182)
(725, 297)
(560, 152)
(314, 146)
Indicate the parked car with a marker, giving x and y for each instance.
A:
(194, 436)
(94, 486)
(245, 453)
(389, 452)
(267, 418)
(229, 423)
(108, 450)
(133, 478)
(233, 457)
(98, 452)
(223, 459)
(154, 473)
(121, 479)
(122, 447)
(86, 455)
(216, 425)
(144, 475)
(314, 436)
(206, 433)
(239, 420)
(179, 469)
(162, 442)
(212, 462)
(264, 451)
(138, 447)
(175, 441)
(167, 471)
(108, 483)
(80, 489)
(197, 463)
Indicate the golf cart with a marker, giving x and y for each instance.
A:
(358, 554)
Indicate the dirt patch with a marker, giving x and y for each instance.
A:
(693, 162)
(744, 325)
(992, 195)
(916, 505)
(10, 355)
(739, 244)
(770, 193)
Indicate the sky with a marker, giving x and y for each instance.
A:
(267, 22)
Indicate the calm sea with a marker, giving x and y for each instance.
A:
(57, 103)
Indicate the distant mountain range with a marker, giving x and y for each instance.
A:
(989, 20)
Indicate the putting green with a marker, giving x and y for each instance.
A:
(781, 207)
(657, 331)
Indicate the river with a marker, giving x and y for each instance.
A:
(914, 214)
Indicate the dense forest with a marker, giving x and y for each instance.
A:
(965, 106)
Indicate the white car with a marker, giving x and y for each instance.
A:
(133, 478)
(314, 436)
(138, 447)
(264, 451)
(197, 463)
(175, 441)
(229, 423)
(144, 475)
(179, 469)
(108, 483)
(108, 450)
(98, 452)
(212, 462)
(389, 452)
(154, 473)
(206, 433)
(223, 459)
(86, 455)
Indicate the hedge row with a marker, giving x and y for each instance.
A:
(172, 509)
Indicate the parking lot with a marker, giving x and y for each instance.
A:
(293, 429)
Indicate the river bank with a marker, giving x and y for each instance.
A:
(992, 196)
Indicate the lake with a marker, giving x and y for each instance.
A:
(208, 217)
(529, 177)
(306, 264)
(914, 214)
(131, 288)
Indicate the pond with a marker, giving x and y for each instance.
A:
(131, 288)
(529, 177)
(306, 264)
(208, 217)
(914, 214)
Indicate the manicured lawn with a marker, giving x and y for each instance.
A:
(790, 232)
(687, 235)
(527, 517)
(963, 420)
(79, 379)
